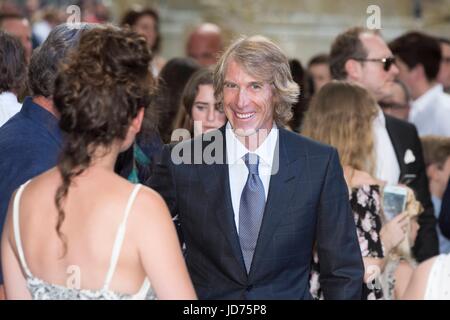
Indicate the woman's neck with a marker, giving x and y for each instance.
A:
(105, 158)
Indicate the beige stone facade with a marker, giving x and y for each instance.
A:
(301, 27)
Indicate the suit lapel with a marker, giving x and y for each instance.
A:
(215, 182)
(396, 143)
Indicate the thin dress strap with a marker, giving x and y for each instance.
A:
(119, 238)
(16, 226)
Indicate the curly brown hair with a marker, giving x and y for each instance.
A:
(98, 92)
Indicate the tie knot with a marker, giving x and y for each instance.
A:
(251, 161)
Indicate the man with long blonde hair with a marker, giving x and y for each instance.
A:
(251, 217)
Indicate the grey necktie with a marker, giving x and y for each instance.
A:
(251, 209)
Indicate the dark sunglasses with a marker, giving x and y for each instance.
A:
(392, 105)
(387, 62)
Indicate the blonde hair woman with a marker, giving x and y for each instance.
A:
(341, 115)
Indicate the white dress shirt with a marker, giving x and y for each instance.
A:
(387, 167)
(238, 171)
(431, 112)
(9, 106)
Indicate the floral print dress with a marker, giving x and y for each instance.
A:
(366, 206)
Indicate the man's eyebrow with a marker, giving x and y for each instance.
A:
(229, 82)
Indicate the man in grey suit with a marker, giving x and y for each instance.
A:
(254, 199)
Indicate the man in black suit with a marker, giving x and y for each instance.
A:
(254, 199)
(444, 216)
(361, 56)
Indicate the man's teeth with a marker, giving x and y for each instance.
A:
(245, 115)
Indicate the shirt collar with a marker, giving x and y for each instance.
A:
(427, 97)
(8, 98)
(380, 119)
(236, 150)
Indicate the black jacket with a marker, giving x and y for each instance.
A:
(404, 137)
(444, 216)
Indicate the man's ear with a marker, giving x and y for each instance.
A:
(136, 123)
(353, 69)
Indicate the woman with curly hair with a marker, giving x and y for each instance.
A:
(80, 231)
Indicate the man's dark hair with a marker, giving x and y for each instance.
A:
(443, 40)
(172, 80)
(9, 16)
(322, 58)
(132, 16)
(415, 48)
(346, 46)
(13, 65)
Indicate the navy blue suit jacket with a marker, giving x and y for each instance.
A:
(29, 145)
(444, 216)
(307, 206)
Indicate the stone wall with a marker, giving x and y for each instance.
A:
(301, 27)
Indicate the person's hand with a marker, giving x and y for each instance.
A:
(394, 232)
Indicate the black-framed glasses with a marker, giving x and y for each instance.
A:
(387, 62)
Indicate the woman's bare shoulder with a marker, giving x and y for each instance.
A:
(42, 185)
(150, 204)
(150, 219)
(419, 280)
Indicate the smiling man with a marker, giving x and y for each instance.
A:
(251, 219)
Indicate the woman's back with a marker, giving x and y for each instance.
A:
(75, 222)
(95, 207)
